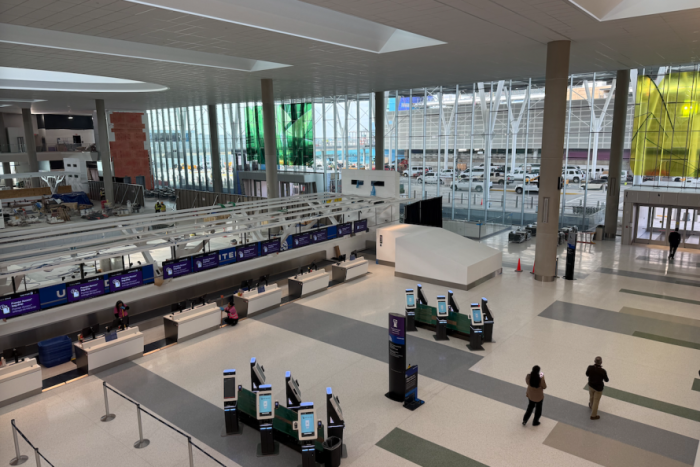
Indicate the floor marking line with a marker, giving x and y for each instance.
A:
(649, 403)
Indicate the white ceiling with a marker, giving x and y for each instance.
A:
(484, 40)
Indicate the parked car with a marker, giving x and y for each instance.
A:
(572, 175)
(415, 171)
(518, 175)
(430, 177)
(463, 185)
(528, 187)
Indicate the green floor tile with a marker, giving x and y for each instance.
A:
(423, 452)
(696, 385)
(663, 297)
(649, 403)
(666, 340)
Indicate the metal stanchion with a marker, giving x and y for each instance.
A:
(38, 457)
(107, 417)
(189, 448)
(141, 443)
(19, 459)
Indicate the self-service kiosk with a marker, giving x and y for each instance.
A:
(265, 413)
(293, 392)
(452, 304)
(442, 315)
(420, 296)
(410, 310)
(257, 375)
(335, 421)
(307, 429)
(231, 403)
(476, 328)
(488, 320)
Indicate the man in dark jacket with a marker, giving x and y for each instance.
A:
(596, 375)
(674, 239)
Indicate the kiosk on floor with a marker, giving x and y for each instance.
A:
(231, 403)
(476, 328)
(335, 421)
(265, 413)
(307, 430)
(442, 315)
(410, 310)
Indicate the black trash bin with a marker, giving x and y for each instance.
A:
(333, 447)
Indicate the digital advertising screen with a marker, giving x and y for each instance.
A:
(82, 290)
(125, 280)
(246, 252)
(269, 247)
(344, 229)
(361, 225)
(205, 261)
(307, 424)
(265, 405)
(476, 316)
(302, 239)
(227, 256)
(177, 268)
(20, 304)
(320, 235)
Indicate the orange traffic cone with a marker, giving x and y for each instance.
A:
(518, 270)
(533, 268)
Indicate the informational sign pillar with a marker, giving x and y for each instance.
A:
(570, 256)
(397, 356)
(410, 399)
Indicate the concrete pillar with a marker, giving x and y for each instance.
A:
(214, 148)
(103, 148)
(30, 145)
(379, 111)
(270, 134)
(557, 80)
(617, 147)
(5, 147)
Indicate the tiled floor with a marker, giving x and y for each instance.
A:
(474, 401)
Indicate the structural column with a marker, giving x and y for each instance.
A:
(30, 145)
(103, 148)
(214, 149)
(270, 135)
(552, 159)
(5, 147)
(379, 110)
(617, 146)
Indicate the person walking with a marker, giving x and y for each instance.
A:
(157, 206)
(535, 395)
(596, 376)
(674, 239)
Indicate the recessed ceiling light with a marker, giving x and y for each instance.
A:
(43, 80)
(70, 118)
(23, 100)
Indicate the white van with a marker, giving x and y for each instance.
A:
(414, 171)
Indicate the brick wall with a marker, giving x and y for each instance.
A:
(128, 146)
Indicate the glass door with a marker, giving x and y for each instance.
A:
(660, 220)
(688, 224)
(642, 228)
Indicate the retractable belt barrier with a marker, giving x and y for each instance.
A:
(19, 459)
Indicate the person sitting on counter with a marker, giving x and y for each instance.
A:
(232, 318)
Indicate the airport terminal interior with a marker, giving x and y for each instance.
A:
(371, 233)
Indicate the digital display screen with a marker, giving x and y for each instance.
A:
(476, 316)
(82, 290)
(265, 405)
(177, 268)
(307, 424)
(20, 304)
(301, 239)
(320, 235)
(230, 388)
(206, 261)
(442, 308)
(344, 229)
(125, 280)
(246, 252)
(410, 300)
(269, 247)
(361, 225)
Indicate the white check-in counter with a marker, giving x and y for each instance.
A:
(98, 354)
(348, 270)
(252, 302)
(192, 323)
(19, 381)
(306, 284)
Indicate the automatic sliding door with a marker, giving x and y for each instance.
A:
(659, 225)
(691, 229)
(643, 227)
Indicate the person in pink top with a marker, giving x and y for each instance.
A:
(121, 313)
(232, 318)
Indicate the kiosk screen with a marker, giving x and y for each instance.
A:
(361, 225)
(410, 300)
(476, 316)
(230, 388)
(264, 405)
(270, 246)
(308, 425)
(442, 308)
(344, 229)
(245, 252)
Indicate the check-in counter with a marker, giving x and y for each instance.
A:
(19, 381)
(98, 354)
(348, 270)
(302, 285)
(252, 302)
(192, 323)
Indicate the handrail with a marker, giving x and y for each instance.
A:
(36, 450)
(189, 438)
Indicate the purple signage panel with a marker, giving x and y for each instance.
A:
(320, 235)
(83, 290)
(125, 280)
(361, 225)
(269, 247)
(302, 239)
(177, 268)
(397, 328)
(344, 229)
(246, 252)
(206, 261)
(20, 304)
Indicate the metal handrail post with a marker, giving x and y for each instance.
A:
(38, 457)
(189, 448)
(19, 458)
(141, 443)
(107, 417)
